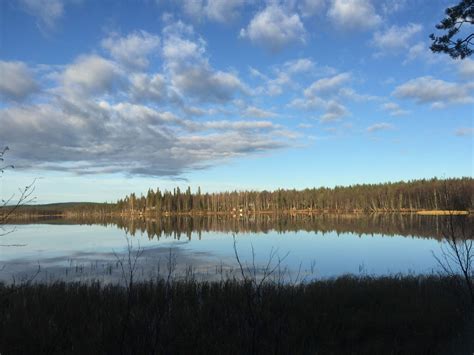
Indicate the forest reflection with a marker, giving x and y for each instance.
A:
(185, 226)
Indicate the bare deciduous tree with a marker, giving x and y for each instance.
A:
(12, 203)
(457, 253)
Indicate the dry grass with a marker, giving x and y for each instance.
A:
(442, 213)
(390, 315)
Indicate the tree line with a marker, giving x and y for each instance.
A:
(411, 196)
(432, 194)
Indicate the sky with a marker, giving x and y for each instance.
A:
(99, 99)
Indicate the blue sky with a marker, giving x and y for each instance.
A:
(102, 98)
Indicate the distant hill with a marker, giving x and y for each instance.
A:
(62, 208)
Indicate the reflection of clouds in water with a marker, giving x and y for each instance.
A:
(89, 266)
(85, 252)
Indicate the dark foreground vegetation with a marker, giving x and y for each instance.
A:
(348, 315)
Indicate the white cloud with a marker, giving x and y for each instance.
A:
(389, 80)
(275, 86)
(334, 112)
(308, 67)
(353, 14)
(148, 87)
(222, 11)
(298, 66)
(101, 115)
(283, 75)
(310, 8)
(420, 51)
(438, 92)
(256, 112)
(234, 125)
(464, 132)
(389, 7)
(178, 50)
(416, 51)
(103, 137)
(90, 74)
(382, 126)
(46, 11)
(189, 70)
(288, 76)
(466, 68)
(17, 81)
(207, 85)
(132, 50)
(396, 37)
(198, 111)
(327, 85)
(257, 74)
(215, 10)
(308, 103)
(274, 28)
(326, 94)
(394, 109)
(351, 94)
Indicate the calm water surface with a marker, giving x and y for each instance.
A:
(310, 247)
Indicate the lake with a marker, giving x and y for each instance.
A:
(296, 247)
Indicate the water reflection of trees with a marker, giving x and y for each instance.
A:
(389, 224)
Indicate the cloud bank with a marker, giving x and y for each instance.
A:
(111, 113)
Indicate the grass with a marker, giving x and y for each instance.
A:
(347, 315)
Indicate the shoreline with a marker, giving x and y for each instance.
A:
(233, 214)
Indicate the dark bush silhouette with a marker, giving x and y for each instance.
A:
(409, 315)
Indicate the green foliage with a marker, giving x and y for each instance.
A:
(456, 17)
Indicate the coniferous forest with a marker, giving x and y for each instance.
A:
(416, 195)
(434, 194)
